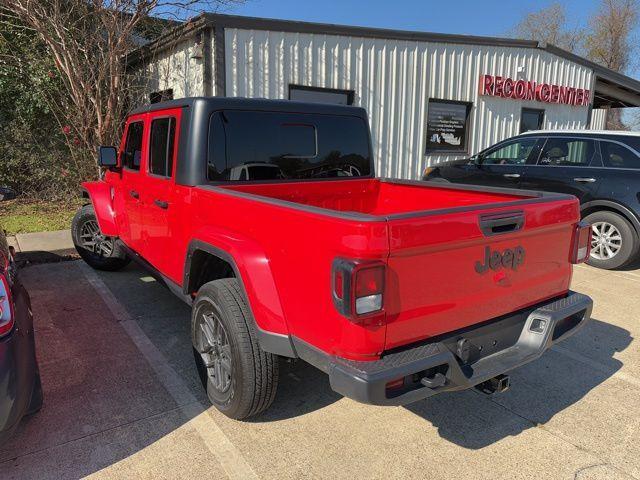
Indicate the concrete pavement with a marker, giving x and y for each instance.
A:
(42, 247)
(53, 242)
(123, 400)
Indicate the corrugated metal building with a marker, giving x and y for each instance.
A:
(430, 97)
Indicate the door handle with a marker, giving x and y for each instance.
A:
(161, 203)
(511, 175)
(584, 180)
(134, 194)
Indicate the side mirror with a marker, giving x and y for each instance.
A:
(107, 157)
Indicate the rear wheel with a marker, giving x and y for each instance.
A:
(239, 377)
(95, 248)
(614, 241)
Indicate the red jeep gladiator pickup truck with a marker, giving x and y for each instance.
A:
(266, 217)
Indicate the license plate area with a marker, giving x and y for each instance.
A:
(478, 341)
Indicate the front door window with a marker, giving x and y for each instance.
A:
(512, 153)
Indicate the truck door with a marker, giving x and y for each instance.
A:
(159, 209)
(505, 164)
(565, 166)
(131, 156)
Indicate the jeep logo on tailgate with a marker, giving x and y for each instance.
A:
(495, 260)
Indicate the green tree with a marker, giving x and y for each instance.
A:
(67, 63)
(606, 39)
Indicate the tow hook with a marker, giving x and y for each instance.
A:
(497, 384)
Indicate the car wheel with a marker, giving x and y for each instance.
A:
(614, 241)
(99, 251)
(239, 377)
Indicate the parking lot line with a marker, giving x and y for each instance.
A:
(214, 438)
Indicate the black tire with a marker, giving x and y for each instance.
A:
(625, 252)
(110, 256)
(246, 386)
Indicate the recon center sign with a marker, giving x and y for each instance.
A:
(506, 87)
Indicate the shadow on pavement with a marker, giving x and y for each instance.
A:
(634, 265)
(539, 390)
(166, 321)
(105, 404)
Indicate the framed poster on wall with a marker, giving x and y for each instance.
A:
(447, 126)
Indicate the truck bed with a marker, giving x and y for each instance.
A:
(379, 198)
(430, 236)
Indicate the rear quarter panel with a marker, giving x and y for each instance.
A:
(298, 247)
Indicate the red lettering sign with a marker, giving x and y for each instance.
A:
(506, 87)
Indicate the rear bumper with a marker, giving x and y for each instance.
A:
(538, 329)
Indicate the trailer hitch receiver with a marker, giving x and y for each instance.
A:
(497, 384)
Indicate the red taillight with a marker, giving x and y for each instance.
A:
(581, 243)
(6, 307)
(358, 288)
(369, 287)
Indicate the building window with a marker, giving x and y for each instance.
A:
(301, 93)
(531, 119)
(161, 96)
(447, 126)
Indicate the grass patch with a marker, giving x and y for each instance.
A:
(23, 216)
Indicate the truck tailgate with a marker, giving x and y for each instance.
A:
(434, 285)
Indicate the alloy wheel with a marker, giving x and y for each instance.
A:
(606, 241)
(92, 239)
(215, 350)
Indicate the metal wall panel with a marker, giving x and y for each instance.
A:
(598, 119)
(173, 68)
(394, 79)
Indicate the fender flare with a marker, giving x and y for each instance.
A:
(624, 211)
(99, 194)
(250, 268)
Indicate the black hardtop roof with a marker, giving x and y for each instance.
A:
(241, 103)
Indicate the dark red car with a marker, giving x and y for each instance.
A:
(20, 387)
(398, 290)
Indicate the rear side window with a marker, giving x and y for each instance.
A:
(163, 131)
(618, 156)
(133, 146)
(246, 146)
(568, 152)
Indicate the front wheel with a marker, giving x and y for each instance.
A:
(614, 241)
(239, 377)
(99, 251)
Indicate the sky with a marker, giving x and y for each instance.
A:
(480, 17)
